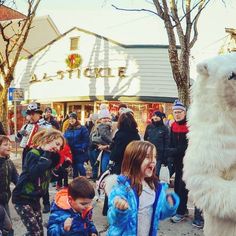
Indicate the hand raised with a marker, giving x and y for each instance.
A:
(121, 204)
(67, 224)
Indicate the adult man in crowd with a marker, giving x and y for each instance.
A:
(178, 146)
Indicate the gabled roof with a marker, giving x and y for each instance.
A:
(104, 38)
(41, 25)
(7, 13)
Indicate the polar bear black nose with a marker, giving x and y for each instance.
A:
(232, 76)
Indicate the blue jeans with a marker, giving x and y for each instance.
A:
(93, 155)
(78, 168)
(105, 161)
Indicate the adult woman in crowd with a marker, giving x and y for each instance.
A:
(158, 134)
(77, 137)
(127, 132)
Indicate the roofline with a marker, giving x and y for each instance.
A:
(105, 38)
(51, 23)
(51, 42)
(23, 15)
(49, 19)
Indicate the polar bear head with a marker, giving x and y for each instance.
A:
(215, 86)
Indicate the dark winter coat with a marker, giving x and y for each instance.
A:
(178, 141)
(34, 179)
(8, 175)
(158, 134)
(122, 138)
(2, 132)
(78, 139)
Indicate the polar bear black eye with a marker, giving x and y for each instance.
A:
(232, 76)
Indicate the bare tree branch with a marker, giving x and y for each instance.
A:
(12, 48)
(202, 5)
(195, 22)
(159, 9)
(125, 9)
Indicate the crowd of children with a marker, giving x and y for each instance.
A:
(134, 193)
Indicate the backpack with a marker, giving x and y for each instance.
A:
(95, 136)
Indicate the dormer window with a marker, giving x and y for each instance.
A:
(74, 43)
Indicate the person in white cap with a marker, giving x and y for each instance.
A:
(34, 124)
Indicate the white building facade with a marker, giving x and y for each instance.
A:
(80, 69)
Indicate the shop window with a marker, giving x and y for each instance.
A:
(74, 43)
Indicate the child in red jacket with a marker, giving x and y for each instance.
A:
(61, 168)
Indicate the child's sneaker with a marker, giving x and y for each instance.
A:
(198, 224)
(177, 218)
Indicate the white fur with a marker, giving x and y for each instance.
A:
(210, 160)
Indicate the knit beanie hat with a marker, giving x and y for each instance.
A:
(73, 115)
(104, 112)
(178, 105)
(159, 114)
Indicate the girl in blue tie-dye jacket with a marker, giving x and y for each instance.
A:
(137, 196)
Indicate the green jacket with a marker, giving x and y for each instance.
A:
(34, 179)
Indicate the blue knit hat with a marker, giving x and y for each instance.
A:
(178, 105)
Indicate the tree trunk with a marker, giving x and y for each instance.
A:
(4, 107)
(183, 92)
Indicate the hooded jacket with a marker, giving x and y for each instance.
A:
(126, 222)
(60, 211)
(34, 179)
(158, 134)
(78, 139)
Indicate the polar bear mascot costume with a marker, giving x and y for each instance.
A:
(210, 160)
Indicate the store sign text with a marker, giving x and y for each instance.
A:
(97, 72)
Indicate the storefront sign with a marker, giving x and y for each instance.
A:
(97, 72)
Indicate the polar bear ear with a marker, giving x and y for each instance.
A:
(202, 69)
